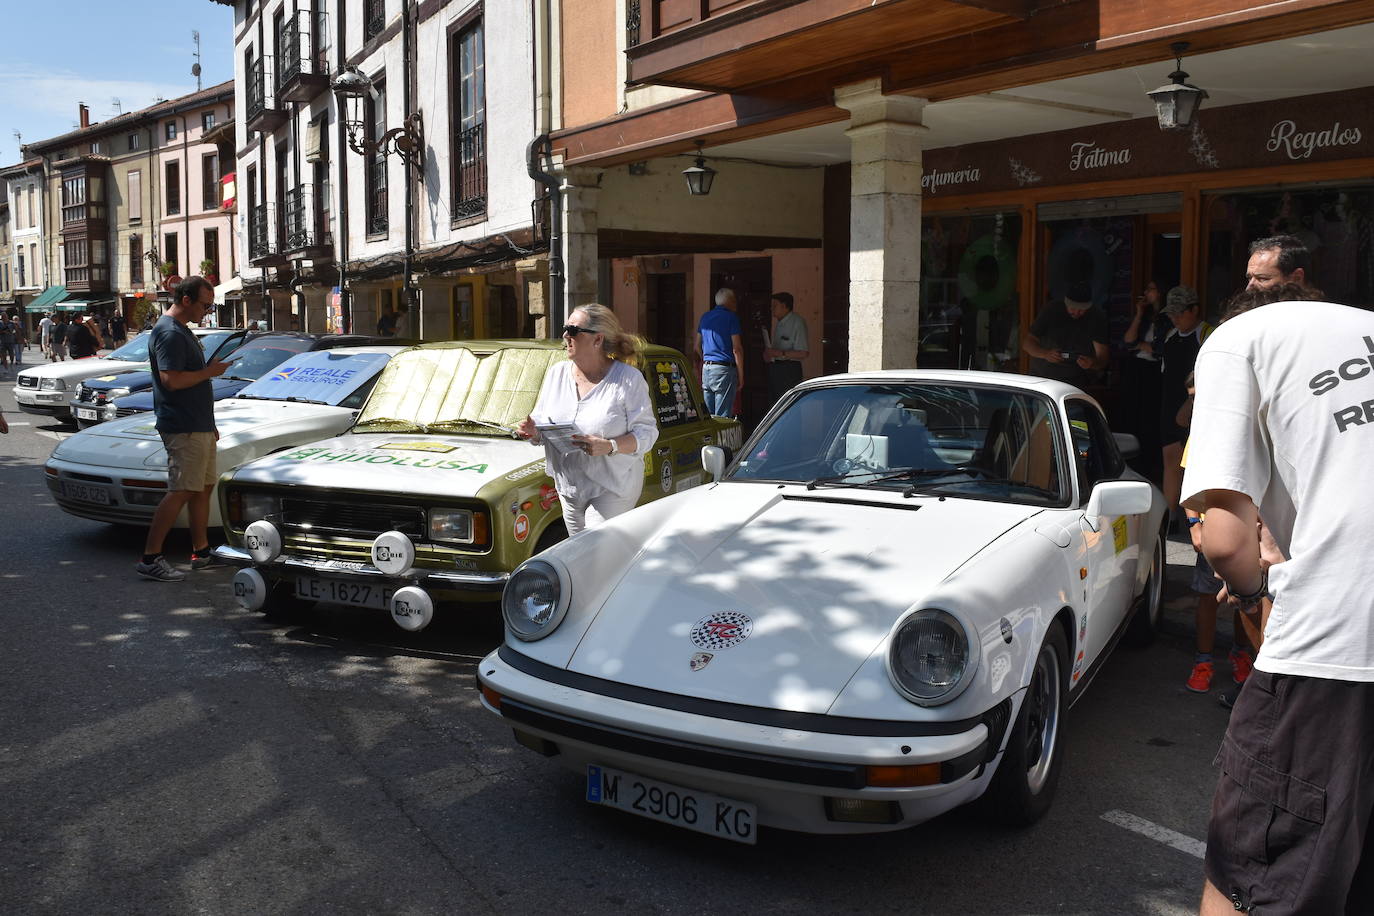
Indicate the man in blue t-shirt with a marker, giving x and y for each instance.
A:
(722, 355)
(184, 404)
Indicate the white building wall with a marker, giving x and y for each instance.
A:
(26, 234)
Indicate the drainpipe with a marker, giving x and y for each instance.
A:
(341, 152)
(411, 300)
(186, 191)
(541, 145)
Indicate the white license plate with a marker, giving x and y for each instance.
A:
(87, 413)
(340, 591)
(660, 801)
(85, 493)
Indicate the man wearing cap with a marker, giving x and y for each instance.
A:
(1068, 339)
(1177, 354)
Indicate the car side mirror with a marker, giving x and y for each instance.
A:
(1127, 444)
(1118, 497)
(714, 458)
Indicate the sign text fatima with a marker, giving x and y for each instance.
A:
(1298, 144)
(1091, 156)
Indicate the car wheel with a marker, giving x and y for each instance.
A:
(1024, 784)
(552, 535)
(1149, 610)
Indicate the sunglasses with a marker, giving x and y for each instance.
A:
(572, 330)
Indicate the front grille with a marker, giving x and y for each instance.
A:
(84, 395)
(28, 381)
(358, 520)
(127, 411)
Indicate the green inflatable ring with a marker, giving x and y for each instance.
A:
(981, 257)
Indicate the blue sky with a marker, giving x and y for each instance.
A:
(60, 52)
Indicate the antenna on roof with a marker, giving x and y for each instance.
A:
(195, 68)
(117, 105)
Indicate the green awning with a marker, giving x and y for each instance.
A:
(81, 305)
(44, 300)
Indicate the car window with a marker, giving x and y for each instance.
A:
(674, 404)
(1096, 456)
(212, 341)
(986, 443)
(135, 351)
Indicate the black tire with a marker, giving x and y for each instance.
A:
(1024, 785)
(552, 535)
(1149, 606)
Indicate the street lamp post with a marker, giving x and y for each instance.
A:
(353, 87)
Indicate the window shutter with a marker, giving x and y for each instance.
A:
(312, 141)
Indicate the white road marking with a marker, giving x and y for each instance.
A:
(1157, 833)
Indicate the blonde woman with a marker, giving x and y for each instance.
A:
(601, 393)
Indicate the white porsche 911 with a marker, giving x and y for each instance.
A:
(880, 611)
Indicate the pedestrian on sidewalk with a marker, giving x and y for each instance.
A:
(119, 330)
(58, 341)
(6, 342)
(721, 352)
(184, 404)
(45, 335)
(81, 343)
(789, 347)
(1279, 430)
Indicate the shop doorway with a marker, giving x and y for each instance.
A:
(752, 281)
(666, 313)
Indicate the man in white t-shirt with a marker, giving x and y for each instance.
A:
(45, 335)
(1283, 426)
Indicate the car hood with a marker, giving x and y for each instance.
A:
(413, 464)
(78, 369)
(143, 400)
(821, 576)
(135, 380)
(133, 442)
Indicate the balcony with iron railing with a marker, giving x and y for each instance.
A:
(304, 72)
(264, 246)
(470, 173)
(263, 111)
(374, 18)
(305, 230)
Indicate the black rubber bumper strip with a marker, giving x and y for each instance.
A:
(739, 712)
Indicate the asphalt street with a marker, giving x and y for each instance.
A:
(163, 751)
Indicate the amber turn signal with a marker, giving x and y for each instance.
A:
(492, 697)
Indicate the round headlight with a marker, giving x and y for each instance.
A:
(535, 600)
(930, 661)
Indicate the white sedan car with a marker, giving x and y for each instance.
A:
(117, 471)
(881, 611)
(46, 389)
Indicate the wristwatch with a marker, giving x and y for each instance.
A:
(615, 446)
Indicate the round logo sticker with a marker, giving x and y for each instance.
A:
(721, 630)
(522, 528)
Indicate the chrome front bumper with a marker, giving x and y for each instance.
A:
(348, 569)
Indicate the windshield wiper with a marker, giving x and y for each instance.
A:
(253, 397)
(299, 400)
(842, 480)
(464, 421)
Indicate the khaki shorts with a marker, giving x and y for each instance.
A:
(190, 460)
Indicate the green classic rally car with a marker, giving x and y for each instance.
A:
(430, 497)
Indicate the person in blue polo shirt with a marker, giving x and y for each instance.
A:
(722, 355)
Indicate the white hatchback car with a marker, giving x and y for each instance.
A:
(117, 471)
(881, 611)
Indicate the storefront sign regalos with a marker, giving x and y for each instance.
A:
(1299, 144)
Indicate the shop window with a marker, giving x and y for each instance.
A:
(969, 304)
(1099, 251)
(1336, 225)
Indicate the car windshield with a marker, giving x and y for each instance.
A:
(918, 438)
(209, 342)
(320, 377)
(250, 361)
(135, 351)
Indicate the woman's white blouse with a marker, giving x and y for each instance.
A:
(617, 405)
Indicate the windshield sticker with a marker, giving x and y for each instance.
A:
(312, 375)
(419, 447)
(324, 454)
(686, 483)
(665, 477)
(673, 402)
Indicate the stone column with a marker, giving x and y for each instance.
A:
(884, 225)
(533, 274)
(581, 189)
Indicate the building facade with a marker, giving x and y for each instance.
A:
(941, 170)
(414, 195)
(26, 196)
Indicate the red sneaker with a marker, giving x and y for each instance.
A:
(1201, 679)
(1240, 666)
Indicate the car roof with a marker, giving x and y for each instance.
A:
(1050, 387)
(651, 351)
(354, 349)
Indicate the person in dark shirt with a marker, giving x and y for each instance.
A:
(184, 404)
(57, 339)
(1068, 339)
(81, 343)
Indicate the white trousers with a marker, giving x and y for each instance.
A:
(580, 513)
